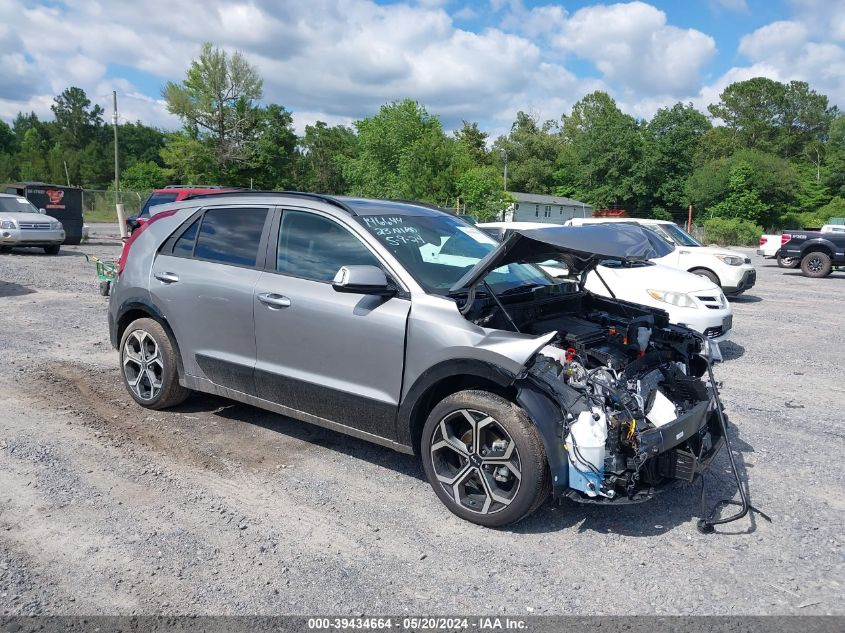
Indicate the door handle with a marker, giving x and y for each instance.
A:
(274, 301)
(167, 278)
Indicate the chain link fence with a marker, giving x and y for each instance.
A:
(98, 205)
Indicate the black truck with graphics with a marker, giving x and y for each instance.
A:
(818, 252)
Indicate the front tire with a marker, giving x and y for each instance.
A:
(484, 458)
(149, 365)
(52, 250)
(816, 264)
(703, 272)
(788, 262)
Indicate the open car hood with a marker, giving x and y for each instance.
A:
(581, 248)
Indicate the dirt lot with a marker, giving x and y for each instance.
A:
(220, 508)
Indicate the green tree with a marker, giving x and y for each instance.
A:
(773, 117)
(834, 161)
(403, 153)
(742, 201)
(189, 159)
(600, 161)
(77, 121)
(475, 141)
(138, 143)
(217, 100)
(773, 179)
(529, 149)
(270, 164)
(481, 191)
(324, 149)
(32, 157)
(145, 176)
(673, 139)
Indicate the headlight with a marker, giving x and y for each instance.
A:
(679, 299)
(55, 225)
(731, 260)
(8, 224)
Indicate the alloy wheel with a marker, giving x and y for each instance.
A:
(143, 367)
(815, 264)
(476, 461)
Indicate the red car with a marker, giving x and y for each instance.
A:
(170, 193)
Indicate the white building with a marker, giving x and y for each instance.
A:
(531, 207)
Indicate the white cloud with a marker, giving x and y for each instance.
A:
(338, 60)
(634, 47)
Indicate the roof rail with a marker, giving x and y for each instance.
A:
(299, 194)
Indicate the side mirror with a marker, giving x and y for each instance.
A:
(363, 280)
(42, 211)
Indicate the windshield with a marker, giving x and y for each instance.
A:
(17, 205)
(439, 250)
(676, 234)
(157, 198)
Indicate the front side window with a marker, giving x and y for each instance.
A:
(230, 236)
(438, 250)
(315, 247)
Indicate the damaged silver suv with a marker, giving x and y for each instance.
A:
(405, 326)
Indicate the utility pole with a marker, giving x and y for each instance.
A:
(121, 219)
(689, 219)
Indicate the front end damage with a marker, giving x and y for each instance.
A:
(617, 394)
(630, 410)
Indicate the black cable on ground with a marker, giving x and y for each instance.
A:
(706, 525)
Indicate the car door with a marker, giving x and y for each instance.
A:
(203, 281)
(336, 356)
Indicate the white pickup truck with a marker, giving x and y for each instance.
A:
(770, 245)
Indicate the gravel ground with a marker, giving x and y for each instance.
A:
(221, 508)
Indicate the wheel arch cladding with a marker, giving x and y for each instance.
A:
(451, 377)
(441, 381)
(818, 246)
(134, 310)
(547, 418)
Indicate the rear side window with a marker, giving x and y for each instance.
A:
(230, 236)
(184, 246)
(315, 247)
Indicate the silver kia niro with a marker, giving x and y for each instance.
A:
(406, 326)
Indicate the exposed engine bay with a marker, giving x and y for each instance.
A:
(634, 409)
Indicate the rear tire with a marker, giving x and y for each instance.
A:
(703, 272)
(484, 459)
(52, 250)
(788, 262)
(149, 365)
(816, 264)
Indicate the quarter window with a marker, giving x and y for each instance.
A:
(315, 247)
(230, 236)
(184, 246)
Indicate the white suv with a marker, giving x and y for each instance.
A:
(730, 270)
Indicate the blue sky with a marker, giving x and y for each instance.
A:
(483, 60)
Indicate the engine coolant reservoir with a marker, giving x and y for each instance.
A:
(585, 445)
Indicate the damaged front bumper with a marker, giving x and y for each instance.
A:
(680, 450)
